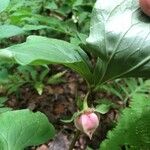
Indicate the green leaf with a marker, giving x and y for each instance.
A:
(3, 76)
(39, 50)
(39, 86)
(104, 105)
(5, 109)
(3, 4)
(103, 108)
(51, 5)
(56, 78)
(7, 31)
(77, 3)
(120, 37)
(133, 129)
(109, 88)
(3, 99)
(22, 128)
(71, 119)
(34, 27)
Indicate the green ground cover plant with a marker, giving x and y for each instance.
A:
(117, 48)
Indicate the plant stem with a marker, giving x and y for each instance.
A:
(76, 136)
(85, 104)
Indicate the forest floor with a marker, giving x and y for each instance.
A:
(59, 101)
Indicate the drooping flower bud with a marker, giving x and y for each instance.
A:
(87, 122)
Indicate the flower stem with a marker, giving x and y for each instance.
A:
(85, 104)
(76, 136)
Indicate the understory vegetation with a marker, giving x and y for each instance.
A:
(74, 74)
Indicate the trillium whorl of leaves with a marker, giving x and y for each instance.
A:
(120, 37)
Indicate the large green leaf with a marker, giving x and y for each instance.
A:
(41, 50)
(120, 37)
(7, 31)
(22, 128)
(3, 4)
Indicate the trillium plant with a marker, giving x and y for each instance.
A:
(119, 42)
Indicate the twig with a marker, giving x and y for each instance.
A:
(76, 136)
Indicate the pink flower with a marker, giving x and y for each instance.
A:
(87, 122)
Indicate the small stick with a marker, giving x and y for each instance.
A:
(76, 136)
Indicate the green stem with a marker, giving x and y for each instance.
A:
(85, 104)
(76, 136)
